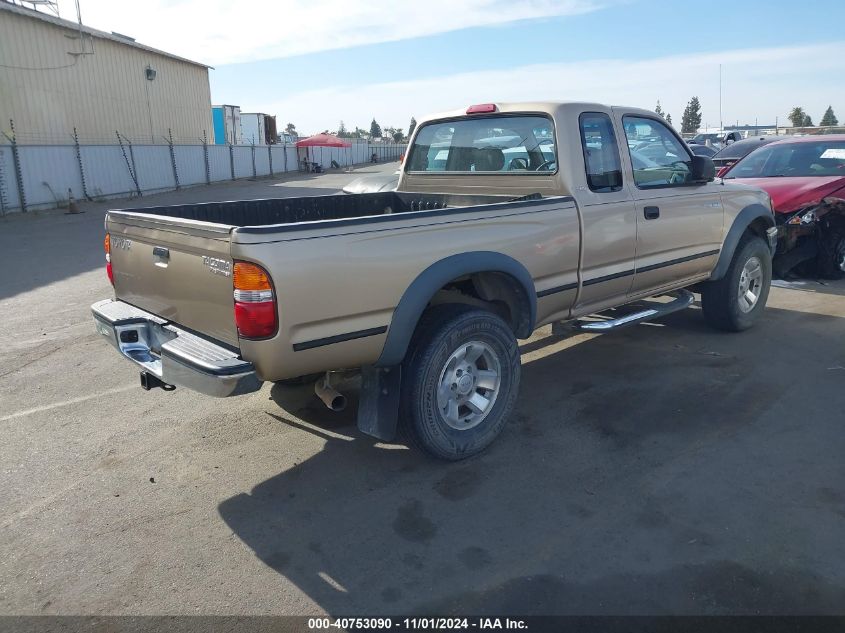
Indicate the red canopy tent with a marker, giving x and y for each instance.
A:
(324, 140)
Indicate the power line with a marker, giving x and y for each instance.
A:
(73, 63)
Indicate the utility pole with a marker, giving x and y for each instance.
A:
(721, 125)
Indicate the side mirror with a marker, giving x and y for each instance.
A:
(702, 169)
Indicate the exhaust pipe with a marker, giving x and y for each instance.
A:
(333, 399)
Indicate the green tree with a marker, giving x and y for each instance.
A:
(829, 117)
(412, 126)
(375, 129)
(797, 116)
(691, 119)
(808, 122)
(659, 110)
(398, 135)
(669, 119)
(342, 132)
(290, 128)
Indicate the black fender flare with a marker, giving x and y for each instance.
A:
(740, 224)
(428, 282)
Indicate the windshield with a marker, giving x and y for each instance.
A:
(822, 158)
(513, 144)
(703, 138)
(741, 148)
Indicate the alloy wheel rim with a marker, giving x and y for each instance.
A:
(469, 385)
(750, 284)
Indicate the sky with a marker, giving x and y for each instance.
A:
(317, 62)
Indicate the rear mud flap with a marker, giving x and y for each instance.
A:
(378, 404)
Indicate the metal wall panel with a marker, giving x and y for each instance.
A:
(48, 172)
(105, 171)
(49, 92)
(218, 162)
(190, 164)
(262, 161)
(152, 166)
(10, 187)
(281, 162)
(243, 161)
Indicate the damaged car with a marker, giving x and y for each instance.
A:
(805, 178)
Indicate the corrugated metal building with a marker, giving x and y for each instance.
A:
(56, 75)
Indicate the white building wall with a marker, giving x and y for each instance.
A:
(97, 93)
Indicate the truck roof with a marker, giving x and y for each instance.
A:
(556, 109)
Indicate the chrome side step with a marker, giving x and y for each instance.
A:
(684, 300)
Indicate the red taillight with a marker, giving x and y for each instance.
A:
(481, 108)
(255, 320)
(107, 246)
(255, 301)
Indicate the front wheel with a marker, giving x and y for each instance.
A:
(831, 257)
(459, 381)
(736, 301)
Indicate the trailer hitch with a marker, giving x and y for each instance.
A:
(150, 381)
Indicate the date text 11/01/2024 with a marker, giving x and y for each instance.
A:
(416, 624)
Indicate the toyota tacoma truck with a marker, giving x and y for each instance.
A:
(507, 217)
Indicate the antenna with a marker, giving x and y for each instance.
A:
(81, 36)
(51, 6)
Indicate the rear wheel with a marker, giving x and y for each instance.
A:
(736, 301)
(459, 382)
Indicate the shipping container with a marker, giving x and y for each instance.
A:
(258, 128)
(227, 124)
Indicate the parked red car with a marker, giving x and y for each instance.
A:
(805, 177)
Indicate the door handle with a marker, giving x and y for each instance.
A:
(651, 213)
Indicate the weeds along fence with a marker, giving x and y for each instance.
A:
(44, 176)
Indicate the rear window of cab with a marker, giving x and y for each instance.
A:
(516, 144)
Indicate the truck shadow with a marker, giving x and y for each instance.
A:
(38, 250)
(622, 484)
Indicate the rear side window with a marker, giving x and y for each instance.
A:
(518, 144)
(601, 153)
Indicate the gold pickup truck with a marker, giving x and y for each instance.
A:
(507, 217)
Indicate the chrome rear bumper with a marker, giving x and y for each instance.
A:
(171, 354)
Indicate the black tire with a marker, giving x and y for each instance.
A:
(441, 332)
(831, 251)
(720, 299)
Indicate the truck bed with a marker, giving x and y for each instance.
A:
(176, 261)
(281, 211)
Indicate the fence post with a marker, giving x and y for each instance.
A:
(285, 146)
(254, 174)
(173, 158)
(128, 166)
(232, 160)
(16, 165)
(270, 157)
(79, 162)
(205, 156)
(2, 185)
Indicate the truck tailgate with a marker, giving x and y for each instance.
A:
(180, 270)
